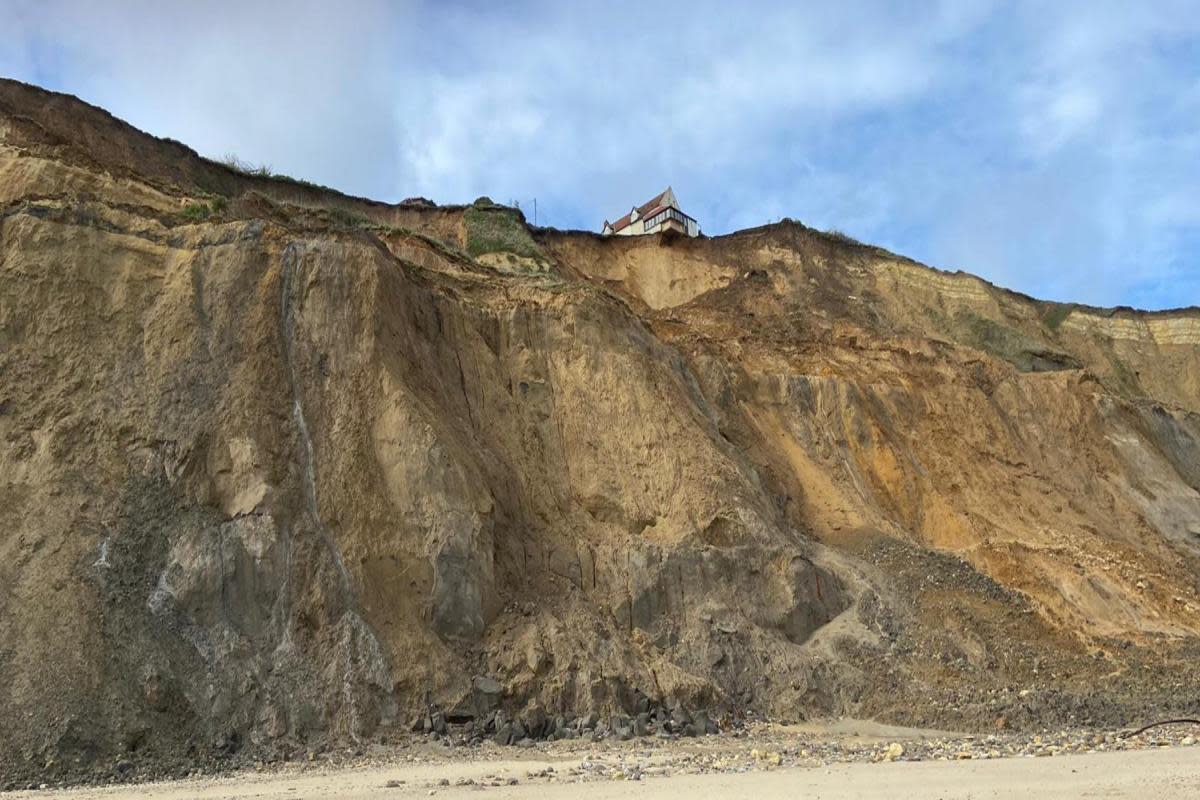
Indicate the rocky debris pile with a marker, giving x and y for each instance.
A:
(766, 747)
(760, 747)
(745, 747)
(527, 728)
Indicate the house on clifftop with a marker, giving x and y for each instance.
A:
(660, 214)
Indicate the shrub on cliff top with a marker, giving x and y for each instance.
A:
(498, 229)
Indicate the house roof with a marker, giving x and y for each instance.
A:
(646, 209)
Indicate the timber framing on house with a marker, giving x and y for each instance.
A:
(661, 213)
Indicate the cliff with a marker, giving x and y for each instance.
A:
(280, 466)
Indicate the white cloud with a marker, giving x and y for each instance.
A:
(305, 89)
(1050, 147)
(1057, 115)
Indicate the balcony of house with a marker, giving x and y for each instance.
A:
(669, 217)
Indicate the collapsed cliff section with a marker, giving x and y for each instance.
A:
(874, 393)
(282, 467)
(902, 415)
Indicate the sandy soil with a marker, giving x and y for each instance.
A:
(1160, 773)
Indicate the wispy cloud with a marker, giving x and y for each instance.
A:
(290, 85)
(1053, 148)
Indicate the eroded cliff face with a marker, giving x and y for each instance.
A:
(280, 466)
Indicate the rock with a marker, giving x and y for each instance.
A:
(393, 784)
(680, 718)
(556, 727)
(124, 765)
(227, 744)
(487, 693)
(534, 722)
(767, 756)
(894, 751)
(154, 690)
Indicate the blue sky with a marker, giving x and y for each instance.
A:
(1050, 147)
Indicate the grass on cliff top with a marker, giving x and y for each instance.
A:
(839, 236)
(198, 212)
(265, 171)
(246, 168)
(498, 229)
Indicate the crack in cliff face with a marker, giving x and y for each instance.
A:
(287, 316)
(362, 663)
